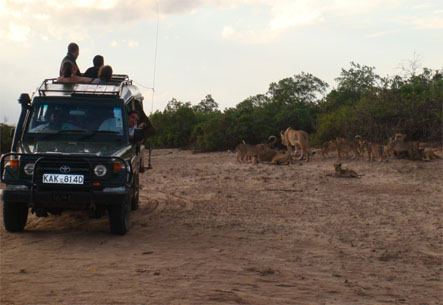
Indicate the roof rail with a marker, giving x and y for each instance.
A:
(50, 87)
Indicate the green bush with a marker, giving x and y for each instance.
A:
(5, 138)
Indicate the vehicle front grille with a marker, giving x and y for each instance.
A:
(53, 166)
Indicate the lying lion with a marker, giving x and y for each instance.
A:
(343, 173)
(282, 158)
(429, 153)
(272, 156)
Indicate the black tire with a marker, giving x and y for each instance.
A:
(119, 218)
(135, 197)
(15, 216)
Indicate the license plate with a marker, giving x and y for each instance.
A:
(63, 179)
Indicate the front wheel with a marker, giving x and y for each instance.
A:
(15, 216)
(119, 218)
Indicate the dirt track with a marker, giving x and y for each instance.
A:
(213, 231)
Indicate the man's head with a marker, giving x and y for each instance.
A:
(73, 49)
(98, 61)
(133, 118)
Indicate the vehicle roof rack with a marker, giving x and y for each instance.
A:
(50, 87)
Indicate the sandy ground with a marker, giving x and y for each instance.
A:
(212, 231)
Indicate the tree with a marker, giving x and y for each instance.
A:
(208, 105)
(357, 82)
(5, 138)
(302, 88)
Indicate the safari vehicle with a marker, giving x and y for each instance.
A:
(71, 151)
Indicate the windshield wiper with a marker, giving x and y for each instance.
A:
(63, 131)
(96, 132)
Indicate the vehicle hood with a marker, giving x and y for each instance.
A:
(73, 147)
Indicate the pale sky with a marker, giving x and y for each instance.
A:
(231, 49)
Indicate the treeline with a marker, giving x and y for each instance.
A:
(5, 138)
(362, 104)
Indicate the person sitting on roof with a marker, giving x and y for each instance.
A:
(92, 72)
(69, 75)
(104, 76)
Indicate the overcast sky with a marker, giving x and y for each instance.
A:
(231, 49)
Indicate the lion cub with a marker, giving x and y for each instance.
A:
(343, 173)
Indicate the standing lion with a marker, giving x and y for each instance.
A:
(297, 138)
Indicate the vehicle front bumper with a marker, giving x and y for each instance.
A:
(66, 199)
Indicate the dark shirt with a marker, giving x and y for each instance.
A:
(70, 58)
(91, 72)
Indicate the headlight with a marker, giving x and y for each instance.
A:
(100, 170)
(29, 169)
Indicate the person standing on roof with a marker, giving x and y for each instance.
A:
(73, 52)
(92, 72)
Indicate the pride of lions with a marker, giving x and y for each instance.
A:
(398, 145)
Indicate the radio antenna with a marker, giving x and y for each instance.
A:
(155, 58)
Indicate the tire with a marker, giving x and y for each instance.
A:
(135, 197)
(119, 218)
(15, 216)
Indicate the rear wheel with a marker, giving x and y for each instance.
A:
(15, 216)
(119, 218)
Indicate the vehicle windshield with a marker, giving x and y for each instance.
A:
(73, 118)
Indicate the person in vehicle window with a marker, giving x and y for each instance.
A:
(92, 72)
(57, 121)
(133, 118)
(73, 52)
(141, 121)
(104, 76)
(70, 75)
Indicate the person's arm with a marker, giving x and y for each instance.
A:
(82, 79)
(148, 129)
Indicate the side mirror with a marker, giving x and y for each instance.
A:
(12, 132)
(138, 135)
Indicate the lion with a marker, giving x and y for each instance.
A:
(343, 173)
(268, 155)
(344, 147)
(282, 158)
(360, 144)
(246, 151)
(400, 146)
(250, 153)
(374, 150)
(429, 153)
(399, 136)
(297, 138)
(265, 154)
(328, 147)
